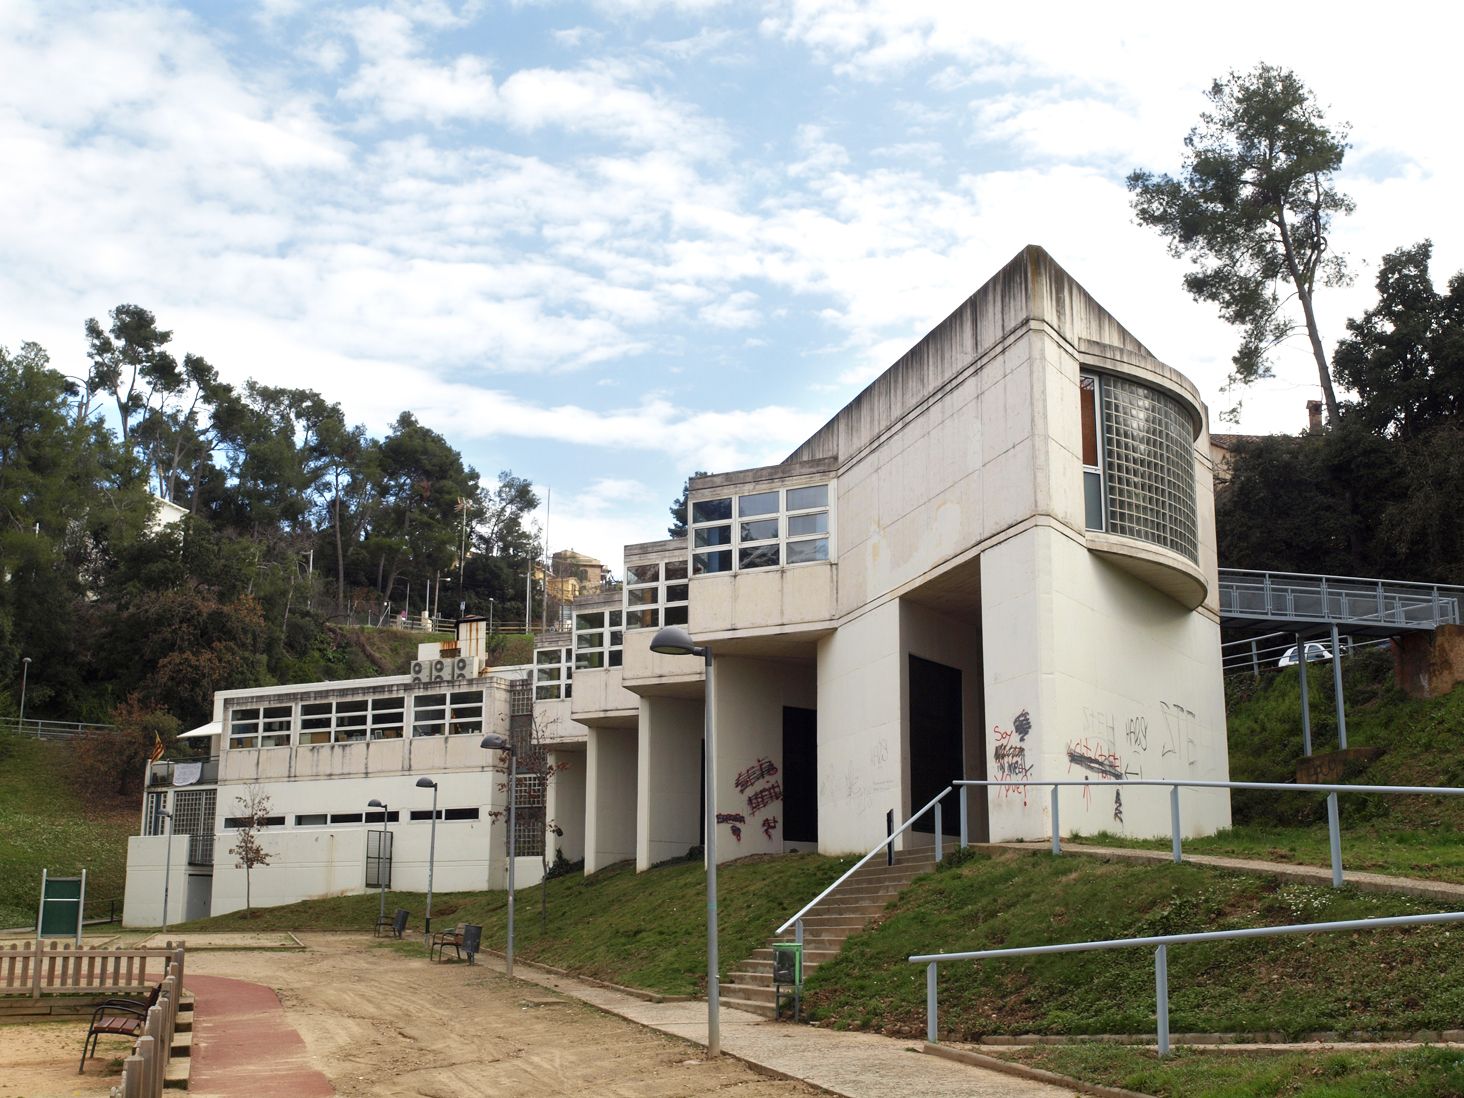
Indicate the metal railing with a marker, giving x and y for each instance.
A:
(1264, 653)
(52, 730)
(1174, 785)
(1292, 596)
(1162, 943)
(161, 773)
(933, 804)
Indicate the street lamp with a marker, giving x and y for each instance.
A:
(386, 842)
(499, 743)
(428, 783)
(168, 867)
(673, 640)
(24, 675)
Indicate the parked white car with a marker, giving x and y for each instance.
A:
(1314, 652)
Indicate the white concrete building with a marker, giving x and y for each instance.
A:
(997, 562)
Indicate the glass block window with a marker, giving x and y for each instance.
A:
(767, 529)
(193, 815)
(656, 594)
(1146, 451)
(152, 818)
(553, 669)
(598, 636)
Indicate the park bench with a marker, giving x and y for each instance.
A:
(119, 1018)
(443, 939)
(397, 924)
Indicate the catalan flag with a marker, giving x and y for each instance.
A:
(157, 750)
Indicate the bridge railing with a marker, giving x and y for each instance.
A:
(1292, 596)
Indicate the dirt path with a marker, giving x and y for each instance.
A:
(378, 1023)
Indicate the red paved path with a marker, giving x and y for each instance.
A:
(244, 1047)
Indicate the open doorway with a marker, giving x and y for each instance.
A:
(800, 776)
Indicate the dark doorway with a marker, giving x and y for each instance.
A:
(800, 775)
(935, 738)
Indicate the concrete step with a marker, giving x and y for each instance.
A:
(182, 1045)
(752, 1007)
(751, 993)
(175, 1075)
(814, 956)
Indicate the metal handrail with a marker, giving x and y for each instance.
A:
(934, 802)
(1161, 957)
(1174, 785)
(1371, 581)
(52, 729)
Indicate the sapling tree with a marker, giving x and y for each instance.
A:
(247, 850)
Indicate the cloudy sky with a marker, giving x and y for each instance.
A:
(606, 243)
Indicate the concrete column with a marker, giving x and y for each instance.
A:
(610, 796)
(566, 802)
(859, 730)
(668, 793)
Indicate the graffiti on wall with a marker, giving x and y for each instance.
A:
(735, 820)
(1095, 758)
(769, 825)
(755, 773)
(759, 799)
(1010, 755)
(1179, 733)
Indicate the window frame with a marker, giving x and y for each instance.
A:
(717, 539)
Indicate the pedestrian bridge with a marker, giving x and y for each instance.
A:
(1291, 602)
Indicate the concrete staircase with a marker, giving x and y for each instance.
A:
(846, 911)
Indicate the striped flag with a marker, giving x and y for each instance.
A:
(157, 751)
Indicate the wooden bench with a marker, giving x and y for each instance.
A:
(443, 939)
(118, 1018)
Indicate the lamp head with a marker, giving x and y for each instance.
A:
(374, 803)
(426, 783)
(496, 743)
(672, 640)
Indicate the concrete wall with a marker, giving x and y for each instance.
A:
(860, 726)
(610, 797)
(669, 779)
(598, 693)
(1092, 674)
(142, 896)
(748, 696)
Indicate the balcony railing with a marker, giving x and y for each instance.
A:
(161, 772)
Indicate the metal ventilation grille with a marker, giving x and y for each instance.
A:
(1149, 466)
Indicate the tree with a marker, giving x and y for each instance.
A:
(112, 763)
(1251, 208)
(677, 529)
(1404, 358)
(253, 818)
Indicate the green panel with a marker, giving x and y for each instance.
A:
(63, 888)
(60, 907)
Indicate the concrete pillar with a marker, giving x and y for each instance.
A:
(859, 730)
(668, 792)
(610, 796)
(566, 803)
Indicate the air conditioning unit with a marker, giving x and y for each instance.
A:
(462, 667)
(420, 670)
(440, 670)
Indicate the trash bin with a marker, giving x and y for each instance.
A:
(788, 972)
(472, 940)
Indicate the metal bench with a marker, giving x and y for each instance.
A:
(445, 938)
(117, 1018)
(396, 925)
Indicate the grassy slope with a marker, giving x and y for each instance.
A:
(645, 930)
(45, 824)
(1422, 742)
(1379, 981)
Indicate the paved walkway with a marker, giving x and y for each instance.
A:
(855, 1065)
(244, 1048)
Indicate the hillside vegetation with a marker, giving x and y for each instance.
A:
(46, 824)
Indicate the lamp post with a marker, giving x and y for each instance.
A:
(499, 743)
(676, 641)
(428, 783)
(167, 867)
(386, 841)
(24, 675)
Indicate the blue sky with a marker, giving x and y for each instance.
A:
(604, 244)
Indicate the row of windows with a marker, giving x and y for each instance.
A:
(329, 819)
(656, 594)
(769, 529)
(553, 670)
(598, 639)
(348, 720)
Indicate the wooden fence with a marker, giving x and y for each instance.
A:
(144, 1072)
(34, 969)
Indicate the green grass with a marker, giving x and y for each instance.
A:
(642, 930)
(1195, 1073)
(45, 824)
(1378, 981)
